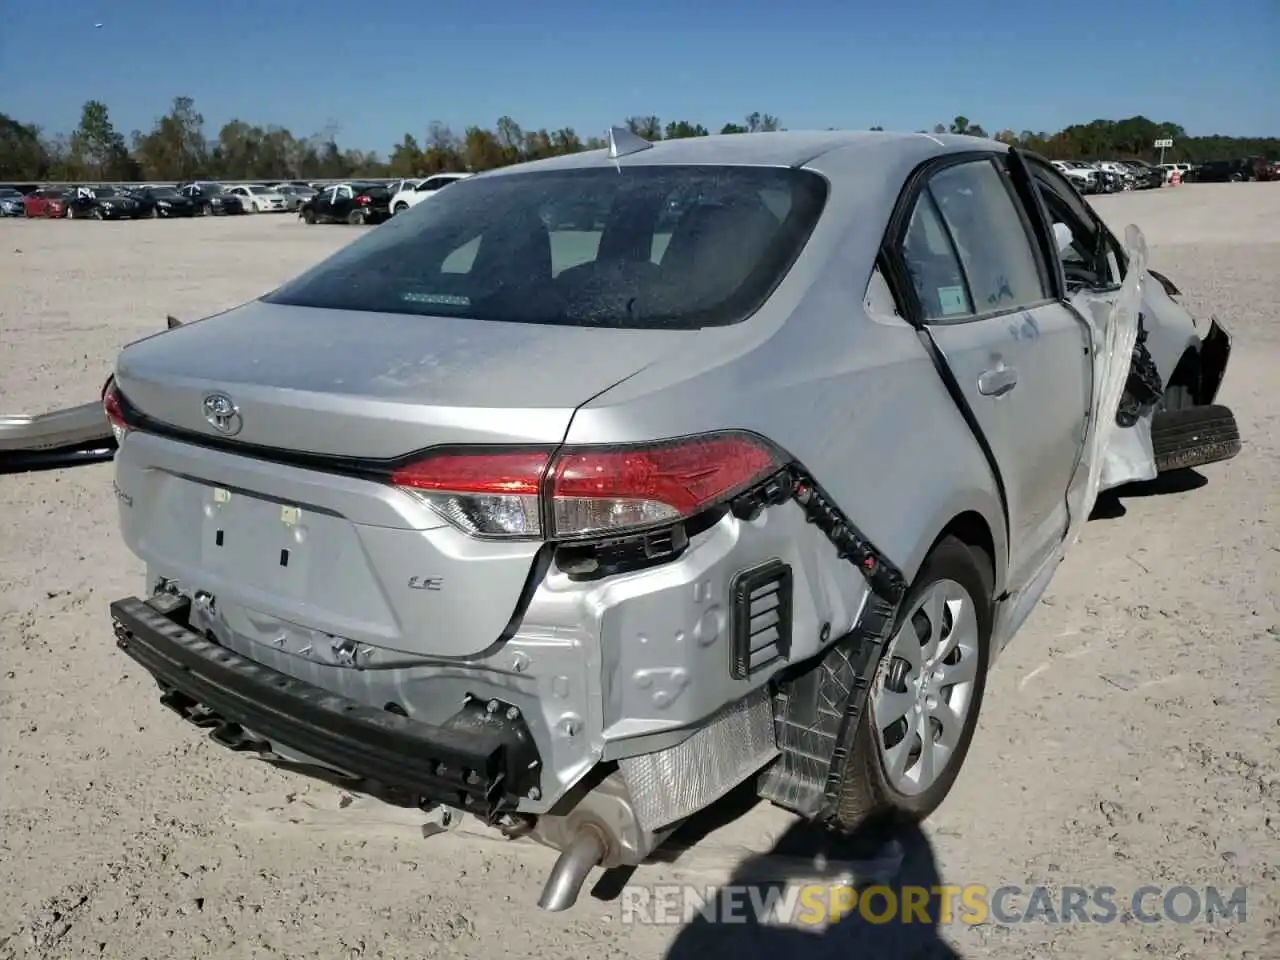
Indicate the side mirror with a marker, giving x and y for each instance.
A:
(1063, 237)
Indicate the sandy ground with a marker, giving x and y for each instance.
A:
(1129, 735)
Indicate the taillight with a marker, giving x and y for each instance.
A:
(363, 200)
(114, 410)
(587, 491)
(484, 494)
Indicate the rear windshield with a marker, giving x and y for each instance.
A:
(655, 247)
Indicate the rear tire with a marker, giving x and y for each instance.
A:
(356, 218)
(309, 217)
(400, 208)
(923, 705)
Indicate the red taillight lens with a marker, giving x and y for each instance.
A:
(114, 411)
(363, 200)
(607, 490)
(484, 494)
(590, 491)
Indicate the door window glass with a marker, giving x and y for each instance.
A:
(993, 245)
(935, 270)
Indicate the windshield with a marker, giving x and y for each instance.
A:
(164, 192)
(9, 193)
(656, 247)
(104, 191)
(258, 190)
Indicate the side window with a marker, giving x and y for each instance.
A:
(344, 192)
(992, 243)
(935, 270)
(1079, 260)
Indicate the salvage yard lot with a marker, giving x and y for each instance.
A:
(1129, 736)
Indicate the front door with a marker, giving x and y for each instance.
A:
(1017, 352)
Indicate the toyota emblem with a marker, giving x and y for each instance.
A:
(222, 413)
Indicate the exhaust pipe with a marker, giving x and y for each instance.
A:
(571, 869)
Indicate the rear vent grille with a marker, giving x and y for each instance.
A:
(761, 618)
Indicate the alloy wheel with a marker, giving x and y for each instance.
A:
(923, 691)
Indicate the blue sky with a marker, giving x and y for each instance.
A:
(380, 70)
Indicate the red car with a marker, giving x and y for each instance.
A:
(1267, 170)
(45, 203)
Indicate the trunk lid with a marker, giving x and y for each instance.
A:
(377, 386)
(302, 559)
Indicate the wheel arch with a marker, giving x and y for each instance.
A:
(975, 525)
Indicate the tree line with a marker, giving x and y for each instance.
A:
(177, 147)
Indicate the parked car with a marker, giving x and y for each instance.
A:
(164, 202)
(1183, 170)
(295, 195)
(259, 199)
(407, 197)
(211, 199)
(1267, 170)
(1221, 171)
(48, 202)
(1147, 176)
(404, 183)
(101, 203)
(579, 533)
(1083, 177)
(10, 202)
(356, 202)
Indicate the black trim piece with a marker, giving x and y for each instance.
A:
(25, 461)
(818, 705)
(477, 761)
(1215, 353)
(772, 573)
(366, 468)
(1170, 287)
(1026, 193)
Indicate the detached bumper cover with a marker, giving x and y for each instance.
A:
(75, 435)
(479, 761)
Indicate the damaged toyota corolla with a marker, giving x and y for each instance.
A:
(604, 484)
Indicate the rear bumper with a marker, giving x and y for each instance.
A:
(479, 761)
(61, 438)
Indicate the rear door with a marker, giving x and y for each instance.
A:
(990, 300)
(343, 200)
(322, 203)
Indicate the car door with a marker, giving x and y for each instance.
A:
(990, 301)
(322, 202)
(342, 201)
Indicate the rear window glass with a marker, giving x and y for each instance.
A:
(667, 247)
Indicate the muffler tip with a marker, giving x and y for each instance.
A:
(571, 870)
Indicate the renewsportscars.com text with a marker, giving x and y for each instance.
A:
(823, 904)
